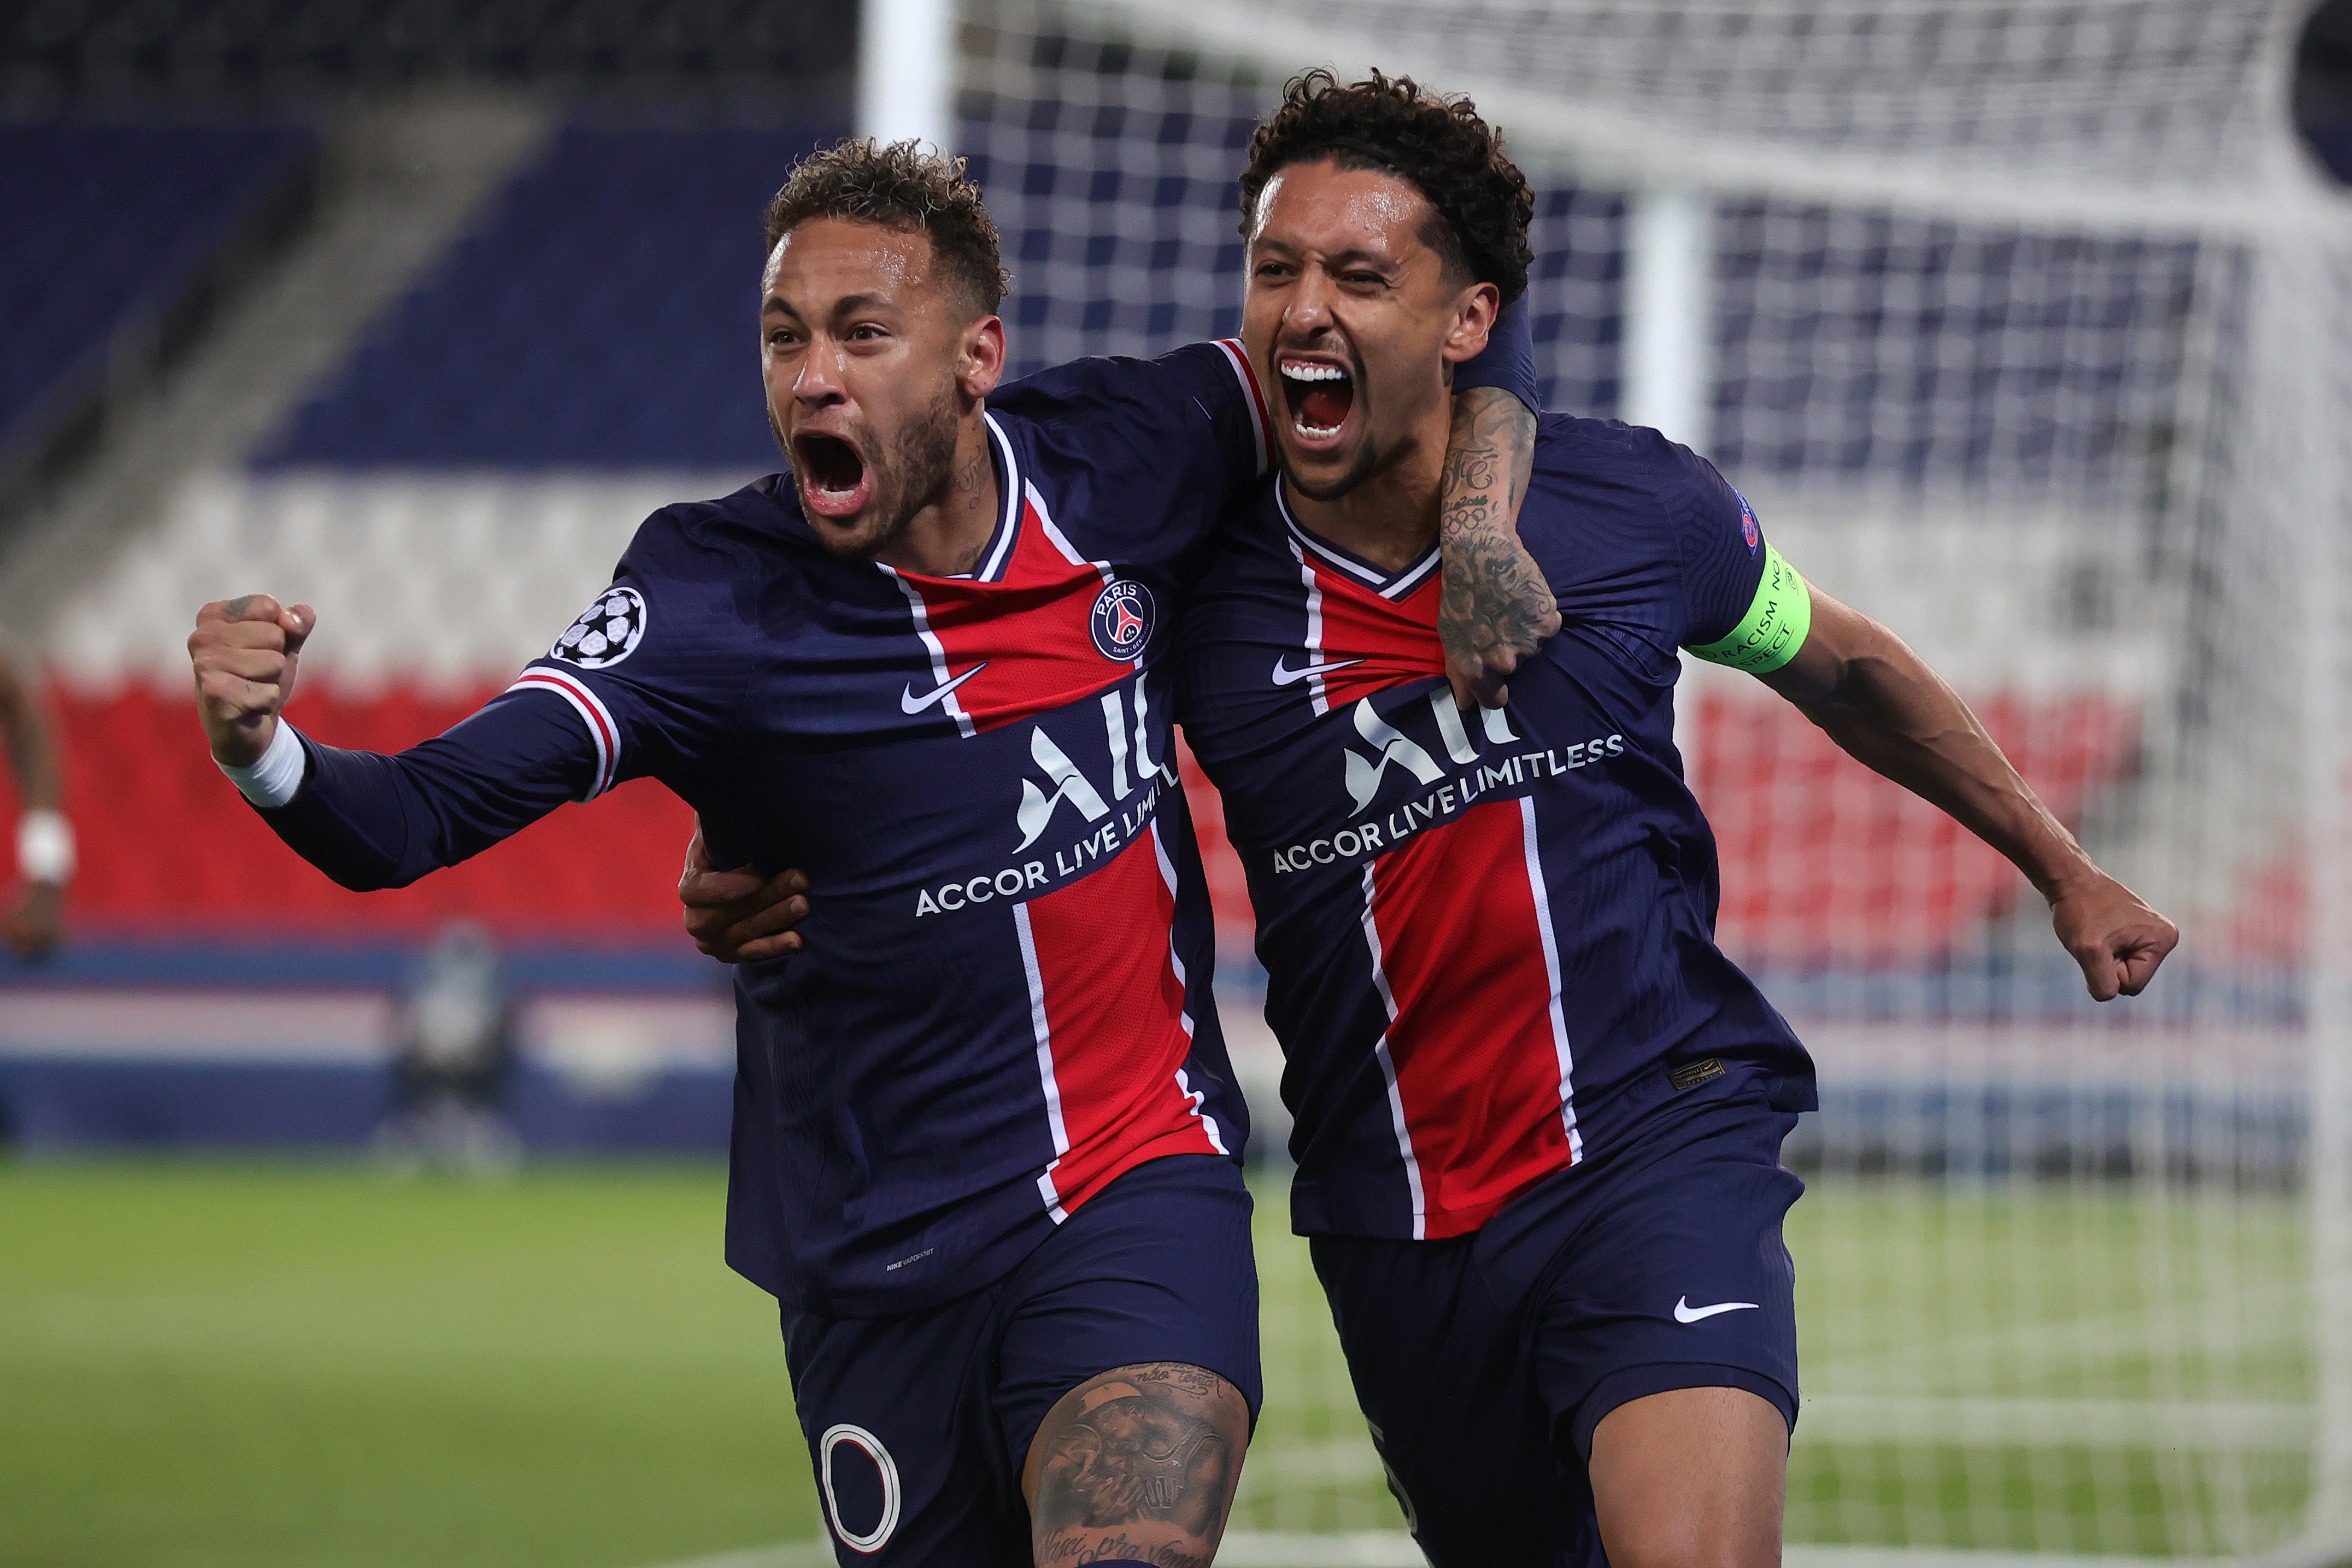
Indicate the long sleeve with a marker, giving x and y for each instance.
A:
(372, 821)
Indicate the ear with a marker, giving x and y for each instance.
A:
(979, 358)
(1475, 314)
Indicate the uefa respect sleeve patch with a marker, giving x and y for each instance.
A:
(1776, 625)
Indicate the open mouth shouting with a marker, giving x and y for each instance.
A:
(1319, 394)
(835, 478)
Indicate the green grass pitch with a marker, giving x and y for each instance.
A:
(206, 1365)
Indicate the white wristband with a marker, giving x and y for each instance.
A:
(44, 847)
(274, 777)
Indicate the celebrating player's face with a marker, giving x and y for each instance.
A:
(867, 353)
(1350, 317)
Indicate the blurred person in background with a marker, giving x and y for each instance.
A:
(45, 840)
(454, 1071)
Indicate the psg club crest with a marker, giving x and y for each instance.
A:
(1747, 529)
(1122, 620)
(607, 631)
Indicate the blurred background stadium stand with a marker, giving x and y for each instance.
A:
(414, 313)
(415, 310)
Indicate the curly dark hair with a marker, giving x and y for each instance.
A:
(1438, 145)
(902, 187)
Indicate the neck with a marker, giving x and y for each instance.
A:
(1390, 518)
(948, 536)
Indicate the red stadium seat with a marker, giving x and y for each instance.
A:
(1822, 859)
(168, 846)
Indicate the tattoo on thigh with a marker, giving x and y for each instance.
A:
(1139, 1463)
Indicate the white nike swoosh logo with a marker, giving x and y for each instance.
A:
(1686, 1313)
(1284, 676)
(913, 704)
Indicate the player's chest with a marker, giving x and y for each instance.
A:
(887, 659)
(1327, 714)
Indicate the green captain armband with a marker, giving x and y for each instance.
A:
(1775, 627)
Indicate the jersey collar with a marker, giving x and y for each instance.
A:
(993, 560)
(1386, 583)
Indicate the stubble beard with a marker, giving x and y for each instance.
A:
(911, 475)
(1367, 463)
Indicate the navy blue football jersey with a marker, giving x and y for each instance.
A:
(1003, 1002)
(1488, 936)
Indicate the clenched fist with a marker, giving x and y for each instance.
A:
(245, 651)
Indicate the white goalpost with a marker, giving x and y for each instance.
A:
(905, 70)
(2028, 329)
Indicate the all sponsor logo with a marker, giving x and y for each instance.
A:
(1122, 620)
(1472, 768)
(1072, 819)
(1747, 529)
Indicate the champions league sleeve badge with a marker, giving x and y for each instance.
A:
(607, 631)
(1122, 621)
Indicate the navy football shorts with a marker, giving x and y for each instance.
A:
(1485, 1362)
(918, 1423)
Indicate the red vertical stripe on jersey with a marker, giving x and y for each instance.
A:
(1478, 1070)
(1392, 640)
(1112, 1008)
(1023, 645)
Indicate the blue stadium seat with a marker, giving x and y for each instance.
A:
(105, 221)
(603, 316)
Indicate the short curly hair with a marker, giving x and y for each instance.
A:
(1437, 146)
(903, 188)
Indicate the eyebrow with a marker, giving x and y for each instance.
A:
(1336, 258)
(847, 305)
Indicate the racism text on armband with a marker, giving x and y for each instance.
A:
(1777, 623)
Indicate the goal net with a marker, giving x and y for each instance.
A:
(2024, 327)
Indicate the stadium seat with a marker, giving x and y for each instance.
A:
(603, 317)
(169, 848)
(106, 221)
(1824, 860)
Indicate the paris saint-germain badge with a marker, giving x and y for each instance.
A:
(1122, 620)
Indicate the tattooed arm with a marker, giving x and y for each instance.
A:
(1494, 609)
(1137, 1464)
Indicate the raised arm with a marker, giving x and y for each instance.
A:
(368, 820)
(1879, 701)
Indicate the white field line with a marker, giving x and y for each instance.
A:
(1395, 1548)
(1337, 1462)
